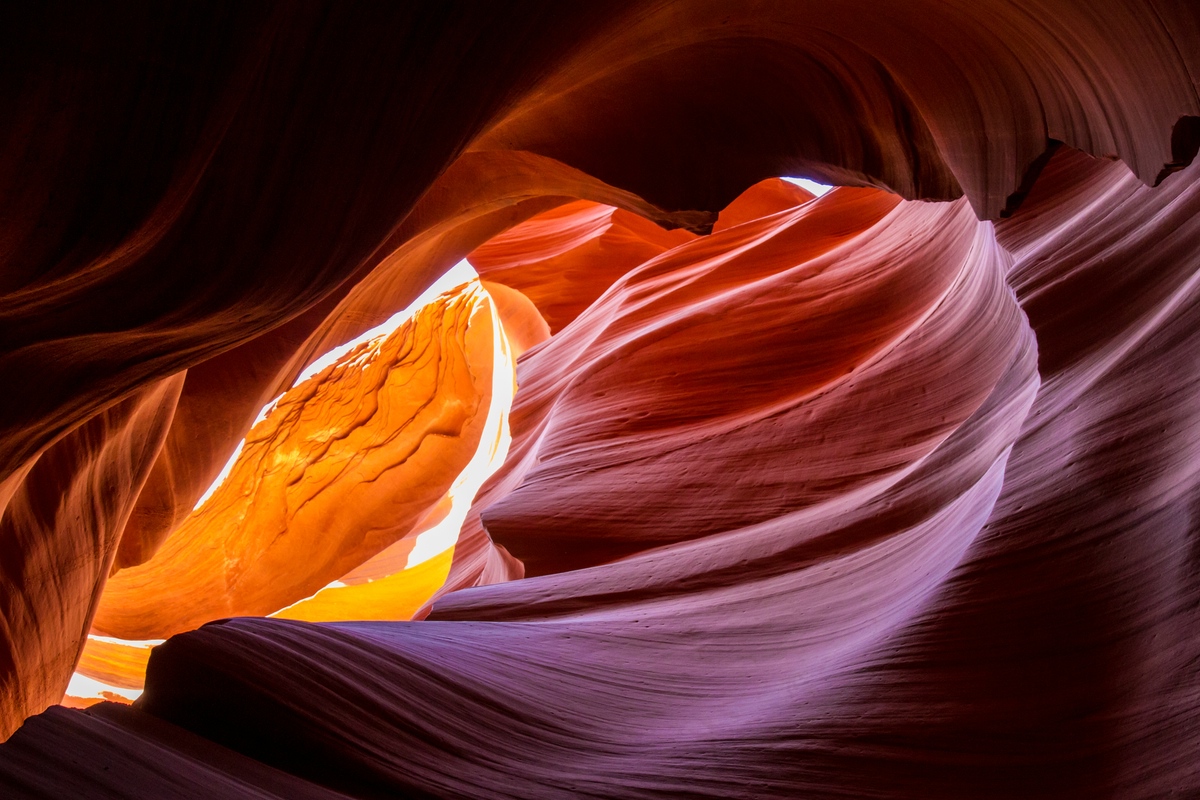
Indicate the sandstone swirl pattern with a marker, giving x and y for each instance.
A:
(343, 465)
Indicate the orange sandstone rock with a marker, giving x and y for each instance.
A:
(761, 200)
(725, 382)
(344, 464)
(523, 324)
(563, 259)
(67, 508)
(114, 663)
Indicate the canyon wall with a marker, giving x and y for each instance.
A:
(887, 493)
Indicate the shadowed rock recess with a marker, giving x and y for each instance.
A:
(891, 492)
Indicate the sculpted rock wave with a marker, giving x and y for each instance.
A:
(341, 466)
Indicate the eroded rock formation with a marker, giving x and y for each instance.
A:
(62, 521)
(342, 465)
(885, 494)
(564, 259)
(332, 507)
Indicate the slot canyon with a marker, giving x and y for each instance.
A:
(625, 399)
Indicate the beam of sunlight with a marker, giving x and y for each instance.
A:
(804, 183)
(493, 449)
(83, 688)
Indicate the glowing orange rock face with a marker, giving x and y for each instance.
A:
(392, 597)
(114, 663)
(68, 506)
(523, 324)
(761, 200)
(563, 259)
(344, 464)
